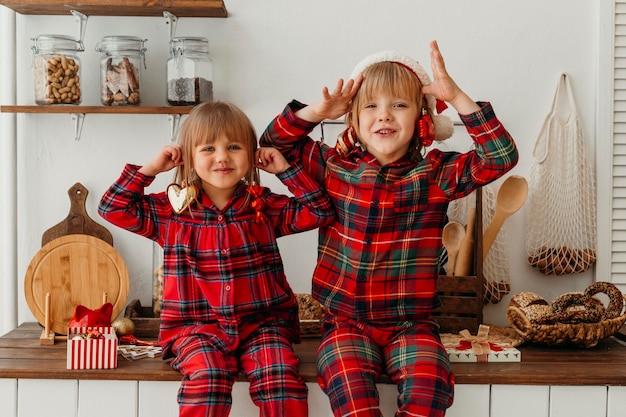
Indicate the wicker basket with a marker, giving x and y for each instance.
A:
(560, 334)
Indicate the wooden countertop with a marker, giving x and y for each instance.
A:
(21, 356)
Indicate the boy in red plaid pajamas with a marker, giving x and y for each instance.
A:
(377, 264)
(227, 306)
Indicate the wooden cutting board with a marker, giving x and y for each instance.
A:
(75, 269)
(77, 221)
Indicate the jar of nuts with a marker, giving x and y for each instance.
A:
(189, 72)
(57, 69)
(120, 69)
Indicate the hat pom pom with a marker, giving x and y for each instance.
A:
(444, 128)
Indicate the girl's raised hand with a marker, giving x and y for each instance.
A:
(270, 160)
(167, 158)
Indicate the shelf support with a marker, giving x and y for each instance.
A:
(174, 119)
(78, 119)
(170, 19)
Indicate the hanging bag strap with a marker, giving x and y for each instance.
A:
(556, 106)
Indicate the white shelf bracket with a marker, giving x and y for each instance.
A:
(171, 19)
(174, 120)
(78, 119)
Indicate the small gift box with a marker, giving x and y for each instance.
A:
(91, 348)
(480, 349)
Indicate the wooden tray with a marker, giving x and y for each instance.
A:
(74, 269)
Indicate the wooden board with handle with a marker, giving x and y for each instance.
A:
(77, 221)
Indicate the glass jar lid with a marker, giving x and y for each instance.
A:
(129, 44)
(56, 42)
(189, 44)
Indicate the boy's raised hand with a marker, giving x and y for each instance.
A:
(443, 86)
(334, 103)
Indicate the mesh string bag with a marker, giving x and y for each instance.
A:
(561, 219)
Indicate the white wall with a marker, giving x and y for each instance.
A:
(270, 51)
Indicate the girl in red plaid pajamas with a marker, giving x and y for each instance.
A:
(227, 306)
(377, 261)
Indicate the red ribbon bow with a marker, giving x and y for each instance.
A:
(258, 204)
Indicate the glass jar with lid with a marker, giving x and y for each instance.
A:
(189, 72)
(157, 279)
(56, 69)
(120, 69)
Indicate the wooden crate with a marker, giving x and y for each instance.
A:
(462, 296)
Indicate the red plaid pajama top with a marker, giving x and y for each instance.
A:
(221, 268)
(378, 259)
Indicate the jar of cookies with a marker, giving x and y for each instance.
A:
(157, 279)
(56, 69)
(120, 69)
(189, 72)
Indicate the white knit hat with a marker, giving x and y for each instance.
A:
(444, 128)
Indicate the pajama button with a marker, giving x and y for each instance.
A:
(220, 218)
(224, 251)
(227, 288)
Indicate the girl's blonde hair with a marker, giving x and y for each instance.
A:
(207, 122)
(397, 80)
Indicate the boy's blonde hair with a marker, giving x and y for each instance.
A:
(205, 123)
(397, 80)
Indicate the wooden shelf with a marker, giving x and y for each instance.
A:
(21, 356)
(78, 113)
(97, 109)
(180, 8)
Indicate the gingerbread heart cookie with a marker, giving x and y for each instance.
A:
(181, 197)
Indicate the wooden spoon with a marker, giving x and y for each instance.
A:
(464, 260)
(453, 234)
(511, 197)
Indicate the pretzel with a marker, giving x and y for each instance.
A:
(527, 298)
(534, 307)
(616, 300)
(575, 307)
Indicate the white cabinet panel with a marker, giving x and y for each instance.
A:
(519, 400)
(47, 397)
(107, 398)
(578, 401)
(242, 404)
(470, 401)
(8, 397)
(388, 399)
(319, 406)
(158, 398)
(616, 402)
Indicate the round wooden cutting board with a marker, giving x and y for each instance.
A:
(74, 269)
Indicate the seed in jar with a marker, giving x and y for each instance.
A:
(189, 91)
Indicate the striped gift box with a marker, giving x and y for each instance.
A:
(91, 353)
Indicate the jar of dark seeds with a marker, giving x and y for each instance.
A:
(56, 69)
(120, 69)
(189, 72)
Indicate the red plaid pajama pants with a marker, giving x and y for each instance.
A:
(353, 354)
(210, 369)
